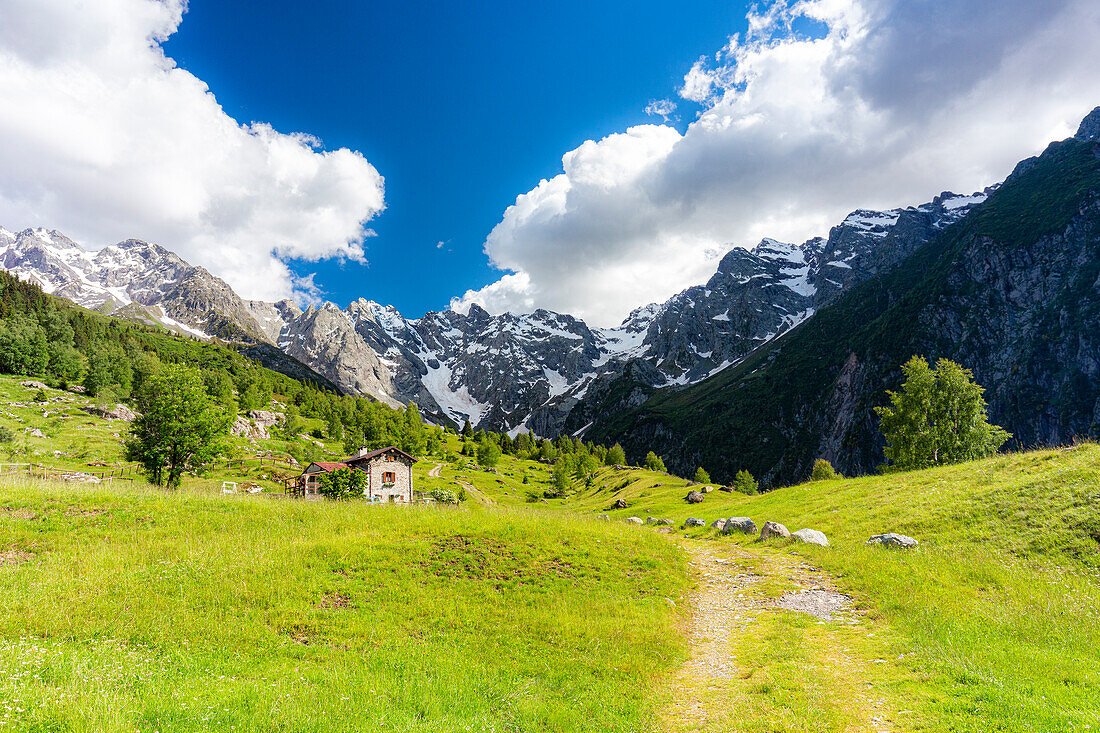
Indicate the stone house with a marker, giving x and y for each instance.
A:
(389, 475)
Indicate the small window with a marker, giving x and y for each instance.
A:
(389, 478)
(391, 457)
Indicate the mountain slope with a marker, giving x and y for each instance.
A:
(1012, 292)
(134, 279)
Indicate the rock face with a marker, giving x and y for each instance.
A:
(266, 418)
(1010, 292)
(242, 427)
(744, 525)
(694, 497)
(892, 539)
(811, 537)
(771, 530)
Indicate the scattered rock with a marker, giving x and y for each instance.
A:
(620, 504)
(718, 524)
(31, 384)
(694, 497)
(892, 539)
(773, 529)
(727, 489)
(744, 525)
(707, 489)
(77, 389)
(661, 522)
(34, 433)
(604, 518)
(634, 520)
(694, 522)
(811, 537)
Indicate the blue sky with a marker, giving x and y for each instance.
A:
(460, 106)
(819, 108)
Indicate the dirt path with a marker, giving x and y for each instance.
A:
(476, 493)
(434, 473)
(737, 604)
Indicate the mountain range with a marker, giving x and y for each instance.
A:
(506, 372)
(670, 374)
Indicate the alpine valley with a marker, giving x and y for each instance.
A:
(777, 360)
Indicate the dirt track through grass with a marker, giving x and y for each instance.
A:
(757, 665)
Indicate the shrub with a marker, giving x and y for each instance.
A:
(445, 496)
(823, 471)
(6, 434)
(40, 396)
(744, 483)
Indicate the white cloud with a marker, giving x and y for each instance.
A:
(104, 138)
(892, 103)
(662, 108)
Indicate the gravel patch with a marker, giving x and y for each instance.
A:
(817, 602)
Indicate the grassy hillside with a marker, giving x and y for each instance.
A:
(129, 609)
(996, 616)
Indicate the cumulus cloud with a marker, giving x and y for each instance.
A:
(889, 104)
(104, 138)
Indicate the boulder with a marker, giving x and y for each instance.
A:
(694, 497)
(743, 525)
(707, 489)
(34, 433)
(665, 522)
(773, 529)
(634, 520)
(620, 504)
(694, 522)
(718, 524)
(117, 412)
(811, 537)
(604, 518)
(266, 418)
(892, 539)
(727, 489)
(31, 384)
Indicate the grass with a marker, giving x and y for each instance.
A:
(139, 610)
(997, 613)
(125, 608)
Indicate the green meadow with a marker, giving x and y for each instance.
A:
(125, 607)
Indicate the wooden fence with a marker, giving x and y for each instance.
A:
(37, 470)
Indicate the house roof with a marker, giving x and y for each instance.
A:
(376, 453)
(326, 466)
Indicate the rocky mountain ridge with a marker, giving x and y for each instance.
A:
(1011, 292)
(509, 372)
